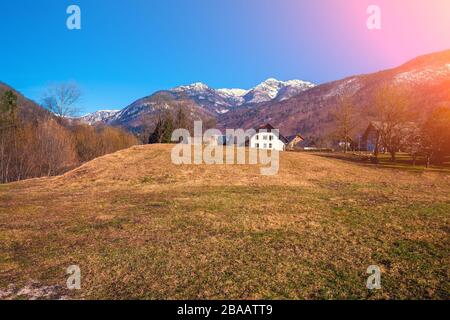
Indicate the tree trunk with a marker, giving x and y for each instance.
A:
(377, 146)
(393, 156)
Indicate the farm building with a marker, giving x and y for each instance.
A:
(267, 137)
(372, 139)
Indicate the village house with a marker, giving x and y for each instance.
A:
(372, 141)
(267, 137)
(264, 137)
(294, 141)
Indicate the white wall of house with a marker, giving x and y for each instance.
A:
(266, 140)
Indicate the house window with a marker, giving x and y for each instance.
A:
(270, 138)
(257, 137)
(270, 145)
(257, 145)
(265, 145)
(264, 137)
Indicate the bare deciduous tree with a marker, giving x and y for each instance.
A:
(62, 99)
(435, 136)
(45, 146)
(394, 116)
(345, 119)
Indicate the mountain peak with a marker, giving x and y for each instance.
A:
(196, 86)
(100, 116)
(272, 89)
(269, 80)
(219, 100)
(232, 92)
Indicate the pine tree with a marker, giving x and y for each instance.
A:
(168, 128)
(8, 109)
(155, 137)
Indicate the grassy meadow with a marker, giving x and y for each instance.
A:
(140, 227)
(403, 161)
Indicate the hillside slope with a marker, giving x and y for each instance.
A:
(148, 109)
(426, 78)
(140, 227)
(28, 109)
(296, 106)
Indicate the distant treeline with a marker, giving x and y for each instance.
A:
(50, 145)
(159, 129)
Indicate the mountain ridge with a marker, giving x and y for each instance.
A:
(294, 106)
(100, 116)
(210, 102)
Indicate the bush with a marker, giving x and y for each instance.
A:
(92, 142)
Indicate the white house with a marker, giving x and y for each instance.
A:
(267, 137)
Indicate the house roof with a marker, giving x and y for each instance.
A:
(295, 136)
(269, 128)
(266, 127)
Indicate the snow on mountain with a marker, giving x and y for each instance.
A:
(293, 88)
(194, 88)
(273, 88)
(206, 97)
(207, 100)
(432, 74)
(223, 111)
(265, 91)
(235, 97)
(220, 100)
(232, 92)
(101, 116)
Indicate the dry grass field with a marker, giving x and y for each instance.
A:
(140, 227)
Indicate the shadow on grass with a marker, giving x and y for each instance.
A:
(403, 161)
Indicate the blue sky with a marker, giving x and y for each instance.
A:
(129, 49)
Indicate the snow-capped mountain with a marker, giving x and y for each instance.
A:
(274, 89)
(221, 100)
(101, 116)
(234, 96)
(293, 88)
(208, 102)
(433, 73)
(208, 98)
